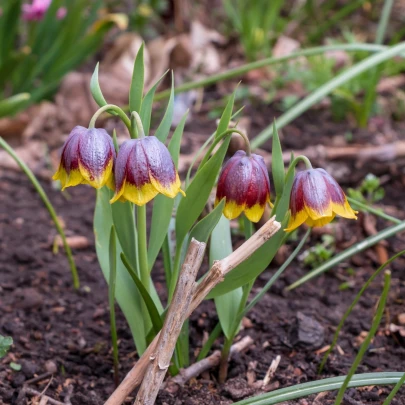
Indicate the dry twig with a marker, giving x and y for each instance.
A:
(176, 315)
(215, 275)
(209, 362)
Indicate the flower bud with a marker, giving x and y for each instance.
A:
(87, 158)
(244, 182)
(143, 169)
(315, 200)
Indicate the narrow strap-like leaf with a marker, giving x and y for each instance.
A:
(138, 76)
(146, 107)
(150, 305)
(164, 128)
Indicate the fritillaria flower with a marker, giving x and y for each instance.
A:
(88, 157)
(37, 9)
(244, 183)
(144, 168)
(315, 200)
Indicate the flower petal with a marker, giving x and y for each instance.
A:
(316, 195)
(96, 156)
(320, 221)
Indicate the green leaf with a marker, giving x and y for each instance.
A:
(157, 322)
(203, 229)
(127, 295)
(9, 21)
(95, 88)
(277, 163)
(227, 304)
(226, 116)
(197, 193)
(5, 344)
(314, 387)
(13, 104)
(356, 248)
(138, 75)
(164, 128)
(162, 205)
(146, 107)
(259, 260)
(123, 216)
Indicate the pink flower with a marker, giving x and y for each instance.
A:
(37, 9)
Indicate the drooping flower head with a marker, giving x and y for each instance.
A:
(144, 168)
(87, 157)
(315, 200)
(244, 182)
(37, 9)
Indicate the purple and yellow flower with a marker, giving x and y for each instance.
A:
(144, 168)
(37, 9)
(316, 198)
(87, 157)
(244, 183)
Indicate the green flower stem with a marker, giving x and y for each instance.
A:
(377, 212)
(142, 247)
(48, 205)
(220, 137)
(231, 73)
(357, 248)
(326, 89)
(223, 363)
(119, 111)
(374, 327)
(135, 118)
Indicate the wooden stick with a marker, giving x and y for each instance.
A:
(209, 362)
(174, 320)
(214, 277)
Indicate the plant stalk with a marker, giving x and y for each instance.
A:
(48, 206)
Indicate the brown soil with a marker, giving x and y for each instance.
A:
(60, 330)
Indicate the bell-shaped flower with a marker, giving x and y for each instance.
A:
(87, 157)
(315, 200)
(144, 168)
(244, 182)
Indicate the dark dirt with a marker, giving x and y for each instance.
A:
(64, 332)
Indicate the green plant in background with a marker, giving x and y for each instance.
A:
(319, 253)
(257, 23)
(41, 42)
(5, 344)
(369, 191)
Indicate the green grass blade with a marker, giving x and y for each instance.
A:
(374, 327)
(367, 208)
(277, 163)
(392, 394)
(353, 304)
(326, 89)
(210, 341)
(328, 384)
(241, 70)
(48, 206)
(358, 247)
